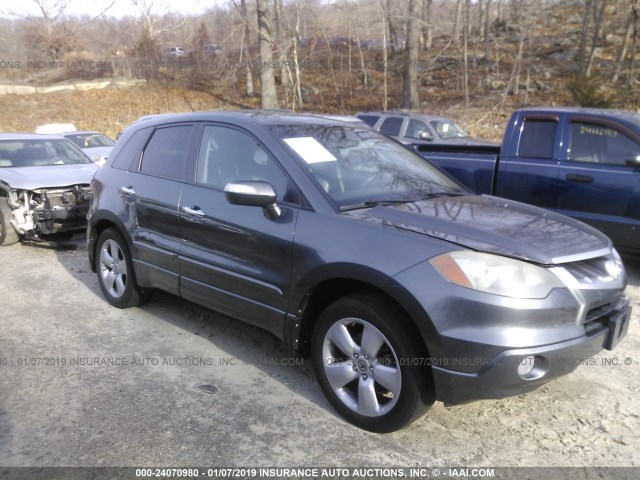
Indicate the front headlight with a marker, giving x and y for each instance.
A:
(495, 274)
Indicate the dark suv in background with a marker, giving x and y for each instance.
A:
(421, 128)
(402, 286)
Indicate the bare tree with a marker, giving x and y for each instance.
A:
(392, 24)
(249, 89)
(456, 23)
(487, 29)
(268, 92)
(411, 97)
(598, 18)
(465, 51)
(385, 62)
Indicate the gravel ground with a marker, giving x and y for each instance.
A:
(189, 387)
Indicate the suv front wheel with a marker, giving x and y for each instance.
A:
(369, 365)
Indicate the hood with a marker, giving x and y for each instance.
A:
(495, 225)
(97, 153)
(33, 178)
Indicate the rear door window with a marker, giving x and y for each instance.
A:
(537, 138)
(391, 126)
(166, 152)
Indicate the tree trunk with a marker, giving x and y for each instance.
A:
(428, 26)
(634, 45)
(624, 47)
(411, 96)
(586, 20)
(456, 23)
(465, 52)
(268, 93)
(385, 62)
(487, 30)
(250, 89)
(393, 29)
(598, 18)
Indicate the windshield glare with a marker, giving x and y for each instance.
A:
(356, 166)
(38, 153)
(90, 140)
(448, 129)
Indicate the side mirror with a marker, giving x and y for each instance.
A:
(253, 194)
(425, 136)
(633, 161)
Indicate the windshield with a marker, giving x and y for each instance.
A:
(38, 153)
(360, 167)
(448, 129)
(90, 140)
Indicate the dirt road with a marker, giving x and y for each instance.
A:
(172, 384)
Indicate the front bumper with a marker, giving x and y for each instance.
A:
(517, 371)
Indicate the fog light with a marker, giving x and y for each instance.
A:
(526, 366)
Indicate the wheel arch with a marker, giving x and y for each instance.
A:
(327, 291)
(98, 225)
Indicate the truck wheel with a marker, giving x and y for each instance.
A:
(367, 361)
(8, 234)
(115, 271)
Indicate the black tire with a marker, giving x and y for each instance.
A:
(8, 234)
(115, 271)
(353, 380)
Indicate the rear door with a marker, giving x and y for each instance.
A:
(529, 171)
(152, 192)
(596, 185)
(393, 126)
(234, 258)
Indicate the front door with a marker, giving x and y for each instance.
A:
(235, 259)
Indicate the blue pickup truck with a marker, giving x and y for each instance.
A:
(584, 163)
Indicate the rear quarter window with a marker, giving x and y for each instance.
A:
(369, 119)
(129, 155)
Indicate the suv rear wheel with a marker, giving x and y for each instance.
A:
(367, 364)
(115, 271)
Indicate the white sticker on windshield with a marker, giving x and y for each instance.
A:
(310, 150)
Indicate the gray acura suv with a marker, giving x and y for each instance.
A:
(401, 285)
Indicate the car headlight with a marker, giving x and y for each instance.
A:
(495, 274)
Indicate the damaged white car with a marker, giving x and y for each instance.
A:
(44, 186)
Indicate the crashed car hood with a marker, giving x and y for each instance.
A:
(97, 152)
(33, 178)
(495, 225)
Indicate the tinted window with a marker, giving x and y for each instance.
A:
(391, 126)
(229, 155)
(369, 119)
(415, 128)
(129, 155)
(537, 138)
(600, 144)
(166, 152)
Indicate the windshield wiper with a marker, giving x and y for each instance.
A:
(374, 203)
(447, 193)
(384, 203)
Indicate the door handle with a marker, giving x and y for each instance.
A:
(127, 191)
(197, 211)
(579, 178)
